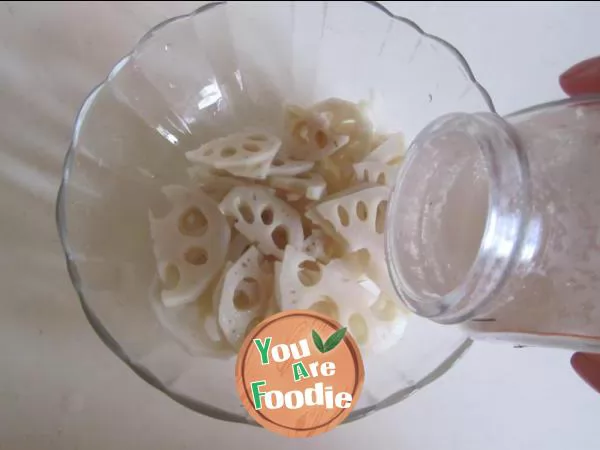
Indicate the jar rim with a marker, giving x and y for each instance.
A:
(507, 174)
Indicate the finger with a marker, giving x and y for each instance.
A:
(582, 78)
(587, 366)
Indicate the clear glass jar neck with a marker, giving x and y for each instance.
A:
(458, 216)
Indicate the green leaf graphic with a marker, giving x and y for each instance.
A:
(334, 340)
(318, 341)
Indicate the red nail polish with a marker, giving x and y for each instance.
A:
(587, 366)
(583, 78)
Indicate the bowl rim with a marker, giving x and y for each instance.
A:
(102, 332)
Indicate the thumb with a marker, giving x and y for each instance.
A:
(587, 366)
(582, 78)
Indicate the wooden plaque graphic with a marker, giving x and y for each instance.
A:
(299, 373)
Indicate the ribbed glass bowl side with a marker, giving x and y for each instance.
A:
(197, 76)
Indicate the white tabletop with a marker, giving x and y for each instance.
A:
(60, 388)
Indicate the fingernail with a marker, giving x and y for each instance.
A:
(582, 78)
(587, 366)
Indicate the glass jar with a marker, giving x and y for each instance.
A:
(494, 224)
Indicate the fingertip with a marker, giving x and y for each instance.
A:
(576, 360)
(582, 78)
(587, 366)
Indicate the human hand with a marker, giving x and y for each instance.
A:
(587, 366)
(584, 78)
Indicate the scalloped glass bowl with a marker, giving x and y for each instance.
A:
(206, 74)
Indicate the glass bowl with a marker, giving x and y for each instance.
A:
(206, 74)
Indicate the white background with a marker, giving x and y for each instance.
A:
(61, 388)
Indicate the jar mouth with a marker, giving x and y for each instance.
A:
(456, 216)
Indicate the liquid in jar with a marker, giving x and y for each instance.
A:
(495, 225)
